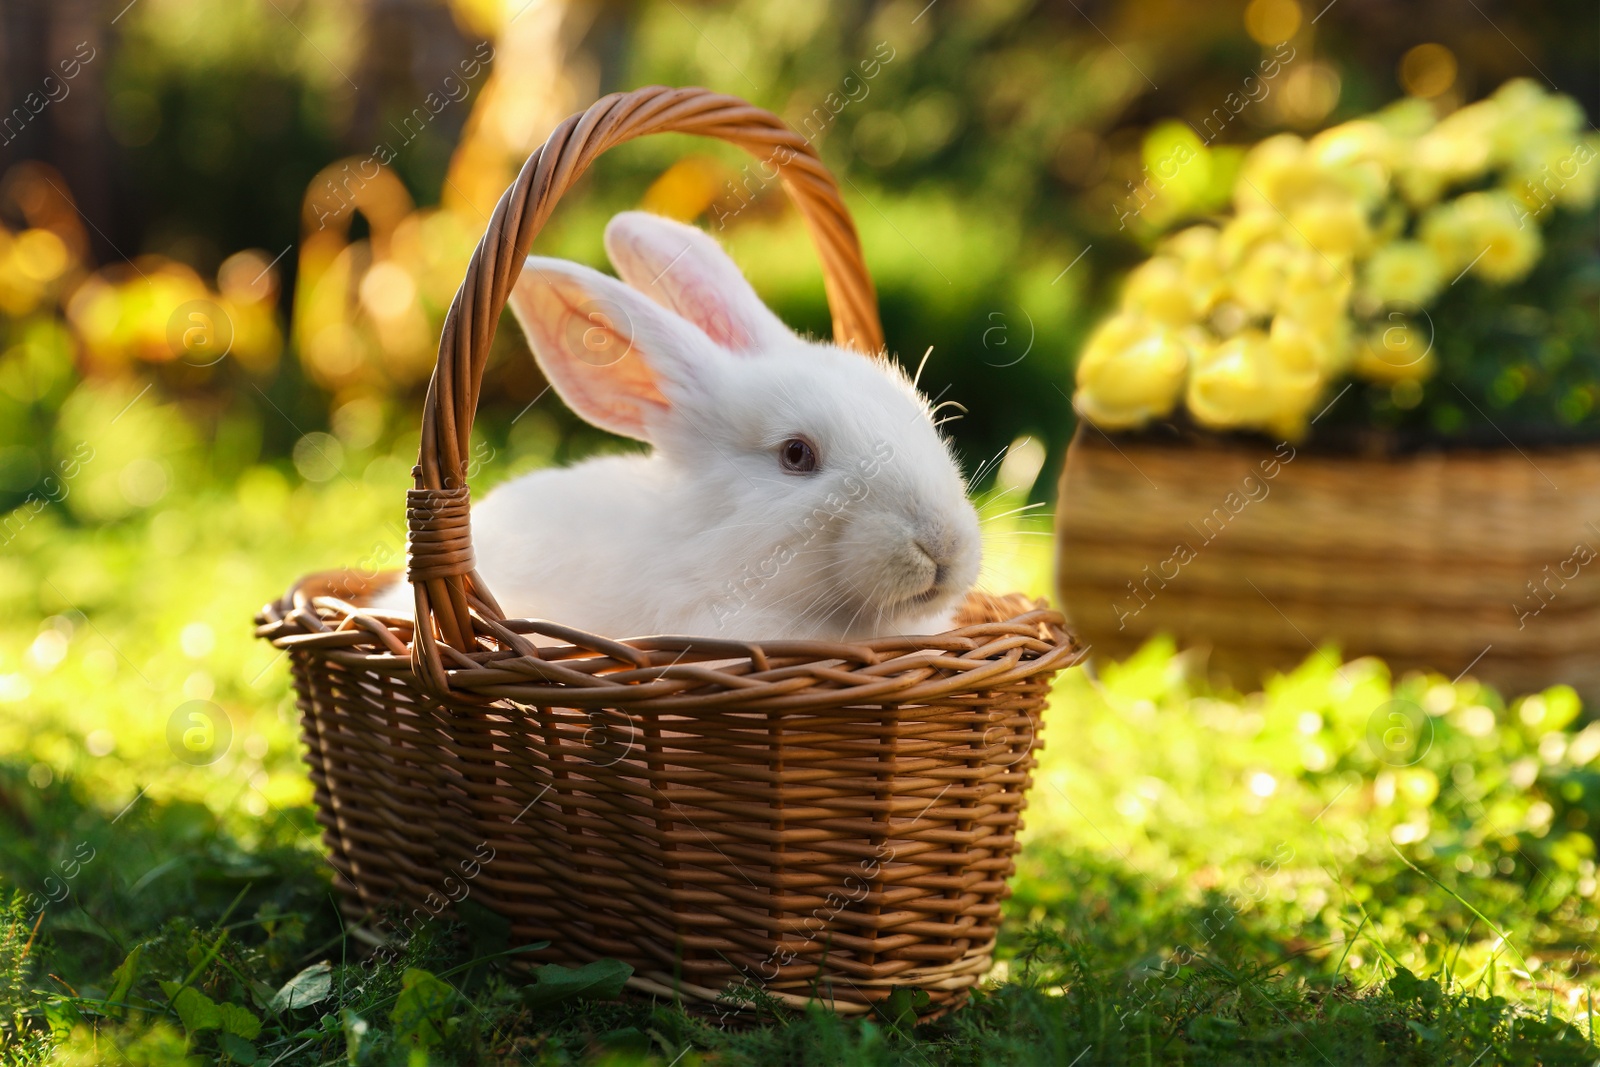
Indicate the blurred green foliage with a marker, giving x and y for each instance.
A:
(221, 113)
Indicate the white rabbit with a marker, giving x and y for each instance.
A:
(795, 489)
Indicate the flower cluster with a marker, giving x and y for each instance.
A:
(1335, 246)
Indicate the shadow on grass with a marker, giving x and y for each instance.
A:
(100, 881)
(1104, 967)
(1137, 972)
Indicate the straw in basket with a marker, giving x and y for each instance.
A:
(821, 821)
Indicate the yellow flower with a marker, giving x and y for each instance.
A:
(1336, 345)
(1505, 242)
(1355, 158)
(1367, 181)
(1492, 232)
(1403, 272)
(1333, 225)
(1563, 172)
(1406, 119)
(1197, 249)
(1359, 141)
(1227, 387)
(1579, 190)
(1444, 232)
(1274, 174)
(1257, 284)
(1301, 348)
(1398, 352)
(1194, 243)
(1509, 239)
(1244, 384)
(1458, 148)
(1420, 185)
(1283, 171)
(1519, 95)
(1131, 371)
(1299, 351)
(1315, 289)
(1555, 118)
(1460, 144)
(1246, 230)
(1156, 289)
(1530, 118)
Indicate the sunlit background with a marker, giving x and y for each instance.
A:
(320, 172)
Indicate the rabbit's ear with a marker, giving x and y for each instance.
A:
(615, 358)
(686, 271)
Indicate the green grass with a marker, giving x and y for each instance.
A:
(1290, 876)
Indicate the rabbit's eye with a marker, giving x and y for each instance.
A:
(797, 456)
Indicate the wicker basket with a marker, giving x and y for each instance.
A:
(1441, 561)
(823, 822)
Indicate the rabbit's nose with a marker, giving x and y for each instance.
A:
(937, 543)
(941, 569)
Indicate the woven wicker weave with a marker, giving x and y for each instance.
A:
(1439, 561)
(815, 820)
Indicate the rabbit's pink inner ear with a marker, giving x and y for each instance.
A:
(697, 300)
(685, 271)
(586, 348)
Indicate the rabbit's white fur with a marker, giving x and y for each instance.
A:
(709, 534)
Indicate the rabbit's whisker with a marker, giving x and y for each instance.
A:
(989, 464)
(1013, 511)
(917, 377)
(825, 607)
(806, 590)
(850, 626)
(739, 526)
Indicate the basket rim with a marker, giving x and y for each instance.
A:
(1004, 639)
(1170, 438)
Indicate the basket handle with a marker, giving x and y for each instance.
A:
(441, 566)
